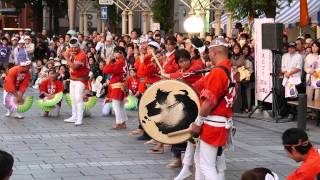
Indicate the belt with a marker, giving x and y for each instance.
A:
(80, 79)
(119, 85)
(216, 121)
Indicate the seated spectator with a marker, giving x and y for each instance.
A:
(43, 74)
(20, 54)
(259, 174)
(298, 147)
(6, 164)
(4, 53)
(64, 77)
(37, 69)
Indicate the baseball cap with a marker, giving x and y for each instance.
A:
(27, 37)
(292, 45)
(21, 41)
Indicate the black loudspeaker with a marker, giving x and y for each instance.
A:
(272, 35)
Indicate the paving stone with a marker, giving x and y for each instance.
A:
(48, 148)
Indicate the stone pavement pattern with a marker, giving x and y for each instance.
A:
(49, 149)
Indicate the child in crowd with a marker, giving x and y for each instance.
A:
(6, 164)
(49, 88)
(132, 82)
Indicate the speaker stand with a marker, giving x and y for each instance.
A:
(275, 110)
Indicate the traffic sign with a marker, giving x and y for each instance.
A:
(105, 2)
(104, 13)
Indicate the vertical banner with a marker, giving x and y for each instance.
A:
(304, 15)
(263, 63)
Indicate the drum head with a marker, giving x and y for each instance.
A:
(166, 110)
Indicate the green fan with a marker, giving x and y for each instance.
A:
(26, 105)
(131, 103)
(87, 105)
(49, 104)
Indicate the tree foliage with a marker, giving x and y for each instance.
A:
(163, 13)
(252, 8)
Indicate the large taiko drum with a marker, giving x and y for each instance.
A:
(166, 110)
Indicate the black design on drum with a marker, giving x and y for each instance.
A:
(174, 116)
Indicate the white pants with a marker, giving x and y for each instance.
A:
(119, 111)
(5, 93)
(208, 165)
(189, 155)
(4, 97)
(76, 93)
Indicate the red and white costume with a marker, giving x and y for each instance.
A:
(189, 153)
(116, 88)
(170, 65)
(309, 169)
(14, 82)
(78, 83)
(51, 87)
(132, 83)
(215, 130)
(147, 72)
(194, 66)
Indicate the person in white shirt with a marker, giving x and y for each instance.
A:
(107, 50)
(100, 44)
(312, 69)
(29, 46)
(291, 67)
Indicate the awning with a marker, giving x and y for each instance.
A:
(287, 13)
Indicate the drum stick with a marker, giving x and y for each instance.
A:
(157, 61)
(179, 132)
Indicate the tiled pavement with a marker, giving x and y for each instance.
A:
(47, 149)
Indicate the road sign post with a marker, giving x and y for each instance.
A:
(104, 13)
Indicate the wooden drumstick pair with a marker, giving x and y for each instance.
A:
(157, 61)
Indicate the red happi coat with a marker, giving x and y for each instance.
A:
(170, 65)
(117, 70)
(51, 87)
(195, 65)
(148, 73)
(212, 87)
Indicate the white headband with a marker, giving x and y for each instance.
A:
(218, 42)
(272, 176)
(200, 49)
